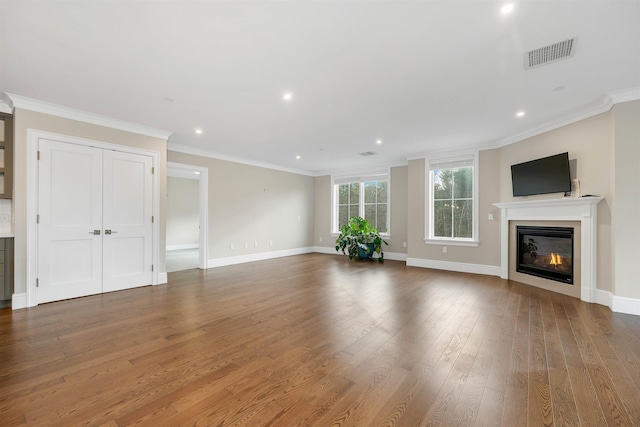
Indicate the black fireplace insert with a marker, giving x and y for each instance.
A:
(545, 252)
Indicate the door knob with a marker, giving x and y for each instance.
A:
(109, 232)
(95, 232)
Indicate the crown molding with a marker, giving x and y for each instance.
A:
(6, 106)
(363, 169)
(86, 117)
(181, 148)
(625, 95)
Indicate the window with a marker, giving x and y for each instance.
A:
(364, 196)
(452, 201)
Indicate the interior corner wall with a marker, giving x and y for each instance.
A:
(25, 120)
(249, 204)
(590, 143)
(398, 211)
(487, 254)
(626, 218)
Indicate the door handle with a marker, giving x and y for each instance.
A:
(95, 232)
(109, 232)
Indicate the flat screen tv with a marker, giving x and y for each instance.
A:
(542, 176)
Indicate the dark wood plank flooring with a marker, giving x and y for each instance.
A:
(318, 340)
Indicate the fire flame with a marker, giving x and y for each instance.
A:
(555, 259)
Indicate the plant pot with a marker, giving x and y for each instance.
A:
(365, 253)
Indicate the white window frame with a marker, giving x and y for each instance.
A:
(368, 176)
(448, 162)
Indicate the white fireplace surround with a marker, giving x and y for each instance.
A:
(583, 209)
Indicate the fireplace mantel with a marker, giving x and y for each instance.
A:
(582, 209)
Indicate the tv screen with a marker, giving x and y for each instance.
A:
(542, 176)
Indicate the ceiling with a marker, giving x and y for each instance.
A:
(420, 76)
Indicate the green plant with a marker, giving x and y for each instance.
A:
(358, 235)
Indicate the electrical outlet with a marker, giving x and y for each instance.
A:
(255, 243)
(231, 246)
(320, 239)
(246, 245)
(444, 249)
(270, 242)
(404, 244)
(491, 217)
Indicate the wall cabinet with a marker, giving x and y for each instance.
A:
(6, 156)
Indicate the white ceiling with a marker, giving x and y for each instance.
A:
(419, 75)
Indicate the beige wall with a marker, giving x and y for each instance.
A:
(626, 218)
(24, 120)
(183, 212)
(488, 251)
(249, 204)
(590, 143)
(398, 226)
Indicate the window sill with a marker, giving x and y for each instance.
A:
(452, 242)
(383, 235)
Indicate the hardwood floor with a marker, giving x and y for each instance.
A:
(318, 340)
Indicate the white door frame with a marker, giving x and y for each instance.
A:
(33, 137)
(181, 170)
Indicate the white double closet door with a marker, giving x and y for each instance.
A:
(95, 221)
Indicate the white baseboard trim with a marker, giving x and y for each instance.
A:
(19, 301)
(181, 247)
(162, 278)
(603, 298)
(394, 256)
(461, 267)
(326, 250)
(625, 305)
(221, 262)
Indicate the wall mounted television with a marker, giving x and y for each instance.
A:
(542, 176)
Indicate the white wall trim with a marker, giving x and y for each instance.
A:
(461, 267)
(19, 301)
(33, 138)
(180, 148)
(326, 250)
(86, 117)
(162, 278)
(395, 256)
(182, 247)
(625, 305)
(241, 259)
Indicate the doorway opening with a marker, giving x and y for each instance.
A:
(187, 206)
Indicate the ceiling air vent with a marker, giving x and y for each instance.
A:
(368, 153)
(548, 54)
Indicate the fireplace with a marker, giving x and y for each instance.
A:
(545, 252)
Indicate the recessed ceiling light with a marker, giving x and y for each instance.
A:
(507, 8)
(379, 141)
(199, 131)
(559, 88)
(298, 157)
(287, 96)
(168, 99)
(520, 114)
(196, 172)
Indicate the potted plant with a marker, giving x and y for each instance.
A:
(359, 240)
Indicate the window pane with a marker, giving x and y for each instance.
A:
(369, 192)
(370, 214)
(343, 216)
(442, 183)
(442, 219)
(354, 193)
(463, 183)
(382, 218)
(354, 211)
(462, 215)
(343, 194)
(382, 191)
